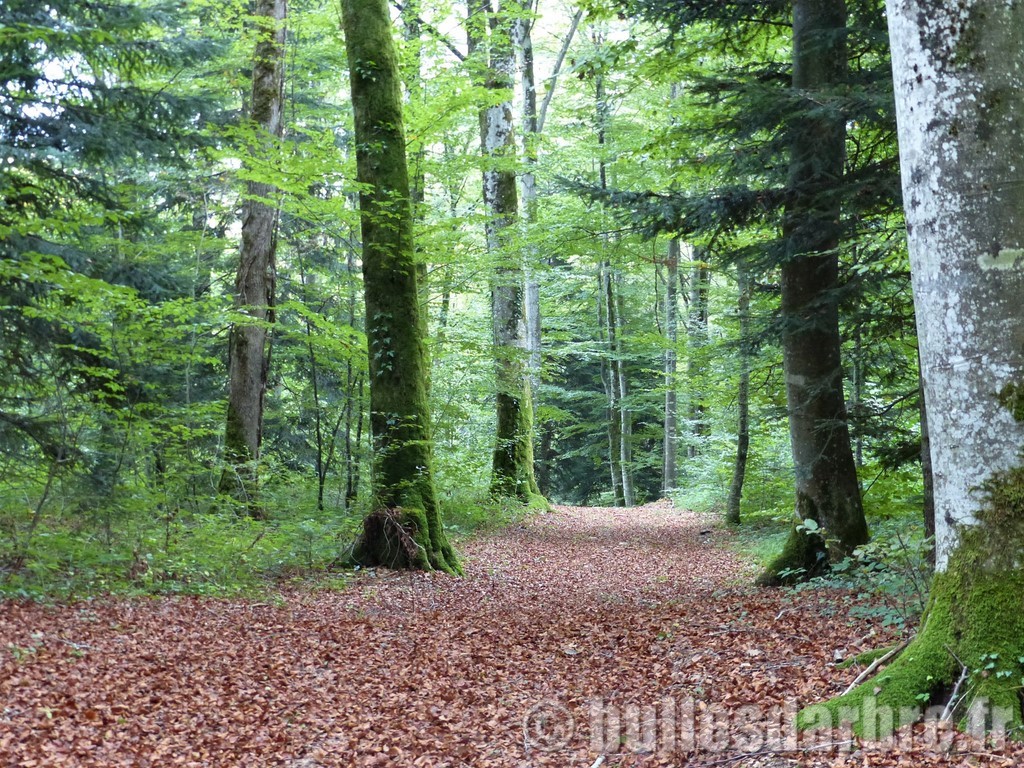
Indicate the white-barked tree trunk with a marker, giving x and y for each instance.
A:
(959, 83)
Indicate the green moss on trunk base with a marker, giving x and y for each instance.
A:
(974, 620)
(401, 538)
(803, 557)
(512, 474)
(537, 502)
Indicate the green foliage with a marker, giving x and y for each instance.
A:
(762, 535)
(466, 513)
(118, 232)
(892, 571)
(206, 553)
(887, 579)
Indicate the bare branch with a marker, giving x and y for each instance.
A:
(435, 33)
(553, 80)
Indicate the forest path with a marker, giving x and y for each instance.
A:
(582, 605)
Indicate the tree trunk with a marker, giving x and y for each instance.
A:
(927, 479)
(404, 530)
(619, 416)
(249, 342)
(827, 489)
(610, 379)
(697, 332)
(670, 473)
(354, 404)
(857, 399)
(625, 415)
(739, 470)
(512, 472)
(412, 28)
(319, 439)
(959, 81)
(533, 126)
(531, 135)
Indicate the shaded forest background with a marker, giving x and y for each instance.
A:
(654, 167)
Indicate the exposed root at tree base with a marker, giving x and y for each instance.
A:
(401, 539)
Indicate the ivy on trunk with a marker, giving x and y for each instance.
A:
(404, 530)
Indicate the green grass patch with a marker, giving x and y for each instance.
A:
(761, 535)
(216, 553)
(467, 514)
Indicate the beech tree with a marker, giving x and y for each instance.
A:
(249, 341)
(697, 341)
(959, 83)
(512, 468)
(404, 530)
(669, 472)
(533, 118)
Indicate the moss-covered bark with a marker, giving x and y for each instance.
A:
(803, 556)
(975, 621)
(512, 470)
(404, 530)
(512, 474)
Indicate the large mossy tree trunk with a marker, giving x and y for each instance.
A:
(412, 29)
(827, 489)
(959, 82)
(249, 342)
(404, 529)
(512, 470)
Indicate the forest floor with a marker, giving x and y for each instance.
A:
(567, 631)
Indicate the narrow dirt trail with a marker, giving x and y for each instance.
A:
(583, 610)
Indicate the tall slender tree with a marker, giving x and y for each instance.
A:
(670, 472)
(614, 373)
(533, 119)
(670, 358)
(512, 473)
(697, 335)
(739, 469)
(959, 81)
(249, 341)
(404, 529)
